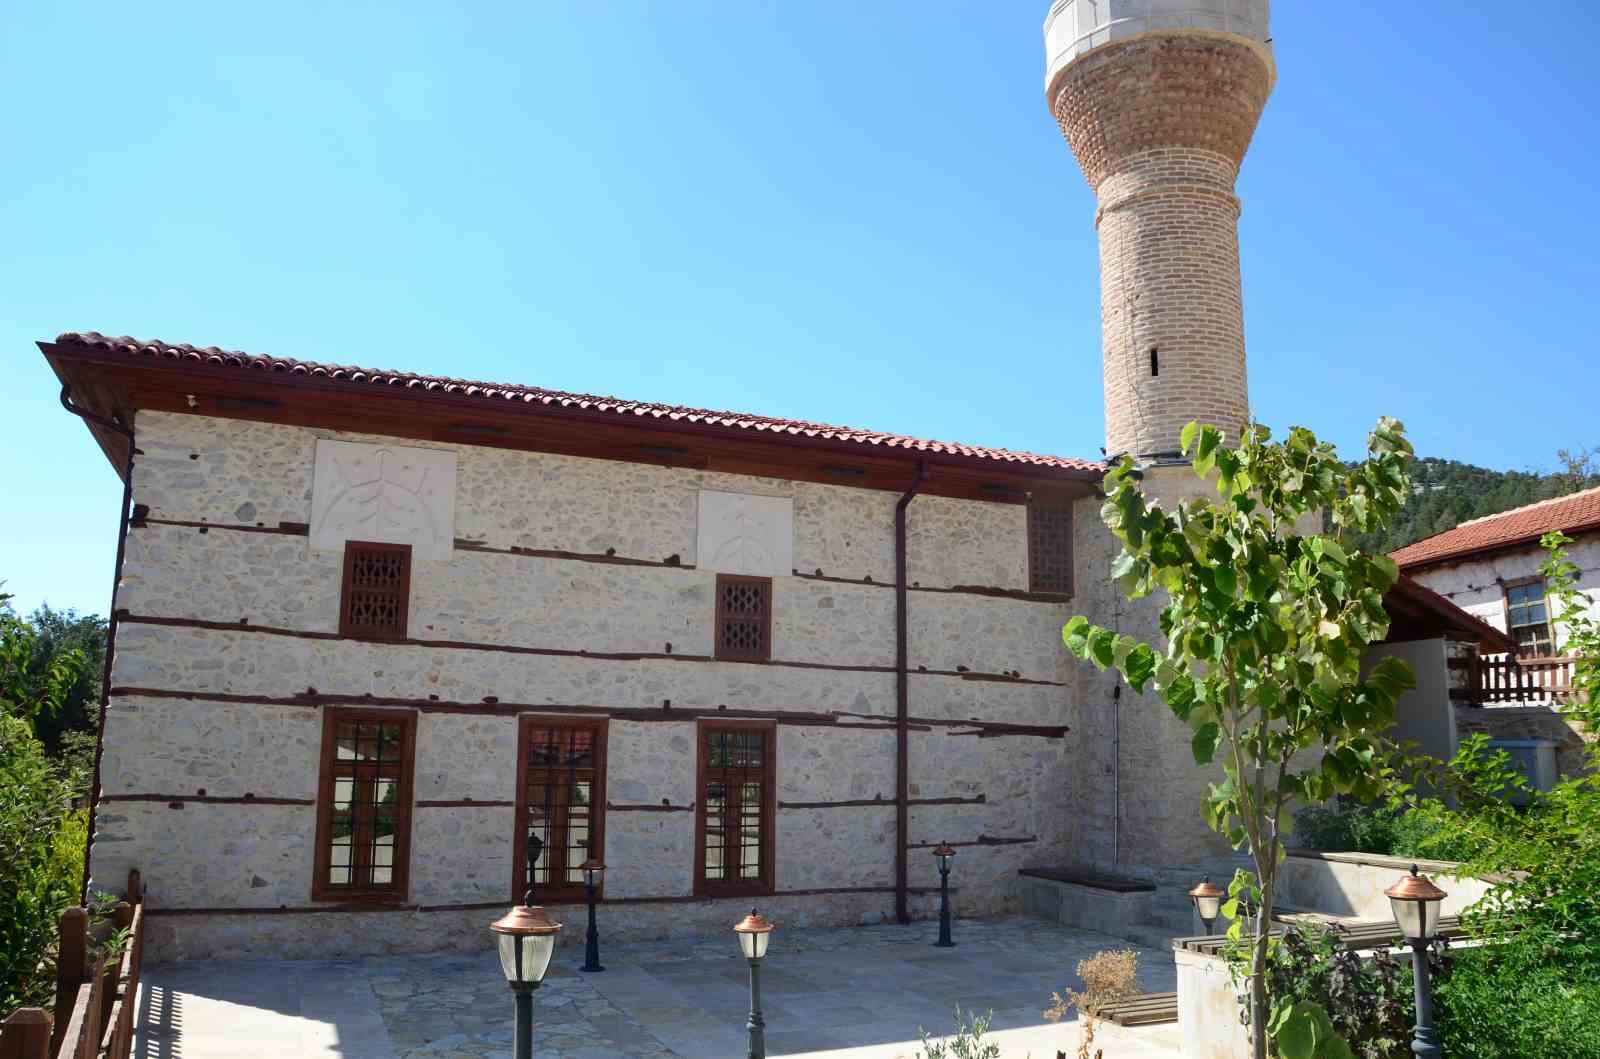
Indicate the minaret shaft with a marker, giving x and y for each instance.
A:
(1160, 123)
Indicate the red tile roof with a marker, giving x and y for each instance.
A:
(532, 395)
(1518, 527)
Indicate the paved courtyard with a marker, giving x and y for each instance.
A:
(858, 993)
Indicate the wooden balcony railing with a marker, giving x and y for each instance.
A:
(1507, 678)
(95, 1002)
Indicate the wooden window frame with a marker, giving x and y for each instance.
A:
(399, 888)
(767, 884)
(724, 654)
(552, 892)
(1549, 626)
(346, 627)
(1066, 502)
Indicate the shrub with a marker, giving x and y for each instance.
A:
(41, 863)
(1368, 1002)
(42, 839)
(967, 1043)
(1108, 977)
(1531, 998)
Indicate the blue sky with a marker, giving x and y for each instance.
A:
(856, 213)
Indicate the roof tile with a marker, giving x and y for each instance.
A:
(489, 391)
(1519, 526)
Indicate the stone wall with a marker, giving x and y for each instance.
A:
(1139, 787)
(230, 644)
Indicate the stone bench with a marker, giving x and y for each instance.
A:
(1078, 897)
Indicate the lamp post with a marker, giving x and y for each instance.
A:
(1416, 903)
(526, 938)
(1207, 900)
(944, 853)
(754, 931)
(593, 874)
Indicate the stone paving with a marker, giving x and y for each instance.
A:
(858, 993)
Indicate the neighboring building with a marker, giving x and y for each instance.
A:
(1490, 567)
(375, 631)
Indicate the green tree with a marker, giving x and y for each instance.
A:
(59, 633)
(1265, 630)
(41, 837)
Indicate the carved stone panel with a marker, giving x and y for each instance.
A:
(741, 533)
(388, 493)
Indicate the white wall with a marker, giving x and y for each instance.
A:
(1424, 714)
(1476, 584)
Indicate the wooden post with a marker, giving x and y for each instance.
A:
(26, 1034)
(135, 887)
(73, 933)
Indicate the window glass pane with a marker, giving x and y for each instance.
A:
(363, 792)
(750, 831)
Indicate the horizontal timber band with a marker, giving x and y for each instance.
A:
(462, 803)
(300, 529)
(981, 840)
(208, 799)
(244, 626)
(881, 801)
(674, 714)
(285, 910)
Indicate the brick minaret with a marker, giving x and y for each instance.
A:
(1159, 99)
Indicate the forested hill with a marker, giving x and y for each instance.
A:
(1445, 493)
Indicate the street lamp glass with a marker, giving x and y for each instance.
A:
(943, 852)
(593, 873)
(535, 953)
(754, 931)
(1207, 900)
(525, 936)
(1416, 903)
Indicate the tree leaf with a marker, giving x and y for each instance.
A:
(1297, 1036)
(1205, 741)
(1139, 666)
(1102, 647)
(1075, 634)
(1186, 435)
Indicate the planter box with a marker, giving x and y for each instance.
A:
(1351, 885)
(1208, 1008)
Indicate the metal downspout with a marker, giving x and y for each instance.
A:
(117, 426)
(902, 756)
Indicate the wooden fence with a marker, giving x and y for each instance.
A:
(1507, 678)
(95, 1002)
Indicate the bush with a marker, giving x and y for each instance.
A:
(1533, 998)
(967, 1043)
(41, 863)
(1427, 830)
(1108, 977)
(1368, 1002)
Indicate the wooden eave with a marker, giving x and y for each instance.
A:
(1417, 612)
(108, 384)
